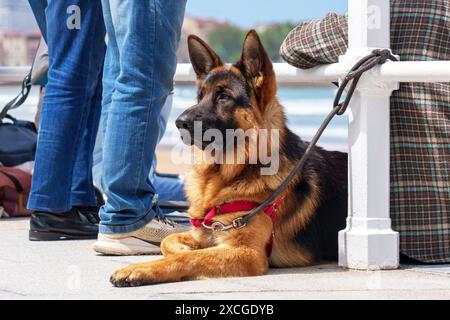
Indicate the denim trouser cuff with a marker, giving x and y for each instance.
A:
(108, 229)
(36, 202)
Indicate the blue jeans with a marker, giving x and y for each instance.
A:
(167, 187)
(139, 67)
(72, 105)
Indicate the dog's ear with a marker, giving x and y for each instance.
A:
(257, 68)
(203, 58)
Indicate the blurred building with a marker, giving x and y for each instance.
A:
(198, 26)
(18, 41)
(18, 48)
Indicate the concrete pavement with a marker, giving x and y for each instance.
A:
(71, 270)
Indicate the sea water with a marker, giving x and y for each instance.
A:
(305, 107)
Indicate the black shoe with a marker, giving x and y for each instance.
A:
(91, 213)
(70, 225)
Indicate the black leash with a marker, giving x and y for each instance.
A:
(20, 98)
(368, 62)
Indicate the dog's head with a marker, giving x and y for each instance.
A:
(229, 97)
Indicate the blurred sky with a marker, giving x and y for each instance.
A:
(247, 13)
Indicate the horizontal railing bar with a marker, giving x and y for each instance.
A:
(414, 71)
(286, 74)
(13, 74)
(403, 71)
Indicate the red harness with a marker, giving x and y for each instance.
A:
(237, 206)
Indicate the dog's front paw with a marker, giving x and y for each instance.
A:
(132, 277)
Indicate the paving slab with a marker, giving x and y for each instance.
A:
(72, 270)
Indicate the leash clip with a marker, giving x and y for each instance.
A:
(219, 226)
(238, 224)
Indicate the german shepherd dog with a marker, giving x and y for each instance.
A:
(313, 207)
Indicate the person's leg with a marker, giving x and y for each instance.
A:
(98, 157)
(167, 187)
(73, 77)
(147, 34)
(170, 187)
(74, 69)
(38, 7)
(111, 71)
(83, 192)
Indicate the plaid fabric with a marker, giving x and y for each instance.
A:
(420, 119)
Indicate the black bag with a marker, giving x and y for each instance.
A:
(17, 138)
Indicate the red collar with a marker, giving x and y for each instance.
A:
(237, 206)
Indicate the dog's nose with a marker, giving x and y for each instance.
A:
(187, 119)
(183, 122)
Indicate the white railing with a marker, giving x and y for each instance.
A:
(403, 71)
(12, 75)
(368, 241)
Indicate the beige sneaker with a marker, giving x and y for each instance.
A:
(145, 240)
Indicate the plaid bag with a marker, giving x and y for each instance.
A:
(15, 186)
(420, 119)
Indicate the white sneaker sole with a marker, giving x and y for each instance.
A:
(124, 247)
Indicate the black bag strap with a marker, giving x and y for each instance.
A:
(11, 118)
(19, 99)
(15, 181)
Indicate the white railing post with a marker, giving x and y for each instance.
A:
(368, 242)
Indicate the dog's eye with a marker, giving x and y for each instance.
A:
(222, 98)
